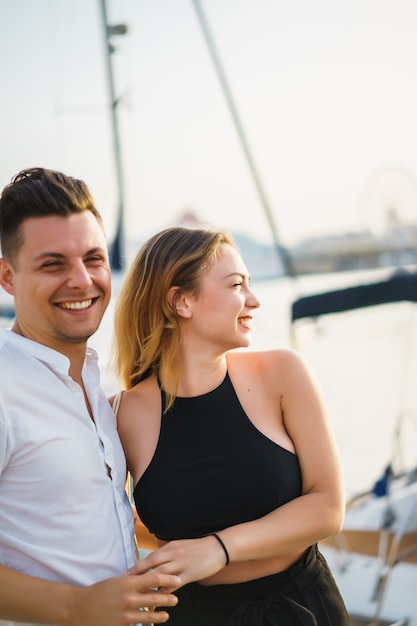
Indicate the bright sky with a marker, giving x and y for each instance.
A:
(326, 92)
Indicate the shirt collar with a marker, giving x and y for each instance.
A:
(43, 353)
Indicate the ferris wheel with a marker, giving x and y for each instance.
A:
(389, 199)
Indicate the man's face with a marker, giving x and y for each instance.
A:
(60, 281)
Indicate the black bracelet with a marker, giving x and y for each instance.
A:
(223, 546)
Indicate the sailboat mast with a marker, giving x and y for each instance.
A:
(117, 251)
(281, 250)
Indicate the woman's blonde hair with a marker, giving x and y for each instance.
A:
(147, 329)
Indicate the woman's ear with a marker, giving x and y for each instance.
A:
(179, 302)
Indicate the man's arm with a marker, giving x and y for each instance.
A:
(111, 602)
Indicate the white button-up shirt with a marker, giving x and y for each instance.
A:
(62, 517)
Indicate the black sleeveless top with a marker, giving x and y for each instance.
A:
(212, 468)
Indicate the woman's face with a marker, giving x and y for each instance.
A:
(221, 313)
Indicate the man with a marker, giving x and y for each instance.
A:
(66, 526)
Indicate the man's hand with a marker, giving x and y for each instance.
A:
(119, 601)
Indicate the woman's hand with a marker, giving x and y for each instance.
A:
(190, 559)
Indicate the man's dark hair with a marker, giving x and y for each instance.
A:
(39, 192)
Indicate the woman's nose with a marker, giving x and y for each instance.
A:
(252, 300)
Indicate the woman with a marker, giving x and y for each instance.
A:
(233, 460)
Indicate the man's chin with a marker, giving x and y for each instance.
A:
(72, 341)
(79, 338)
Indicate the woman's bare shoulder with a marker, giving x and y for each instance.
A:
(264, 358)
(148, 385)
(141, 398)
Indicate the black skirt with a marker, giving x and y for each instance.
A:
(303, 595)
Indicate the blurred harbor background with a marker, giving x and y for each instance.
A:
(325, 94)
(307, 151)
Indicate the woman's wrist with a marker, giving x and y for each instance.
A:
(222, 545)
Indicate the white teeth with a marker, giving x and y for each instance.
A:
(76, 305)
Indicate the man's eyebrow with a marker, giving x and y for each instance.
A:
(97, 249)
(48, 255)
(59, 255)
